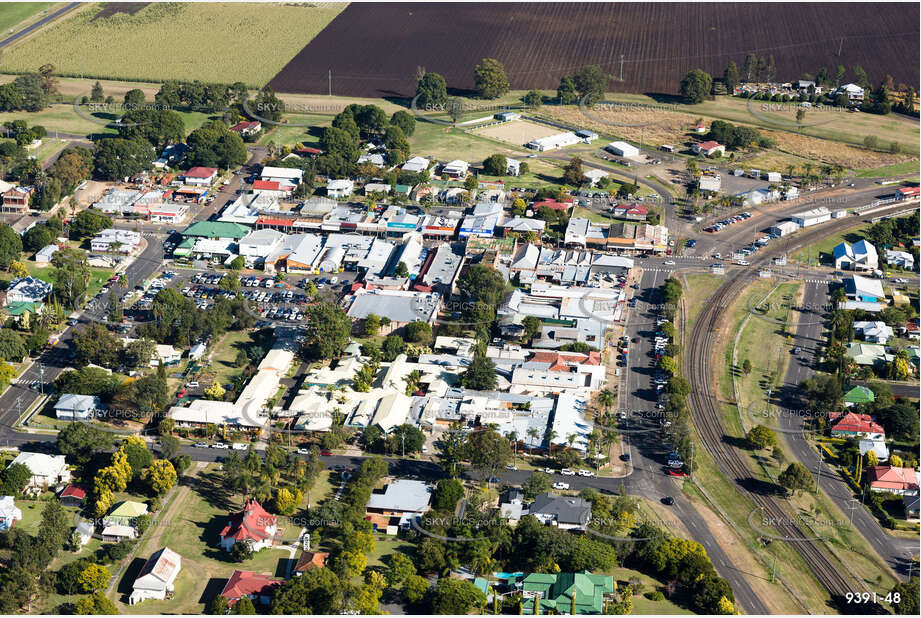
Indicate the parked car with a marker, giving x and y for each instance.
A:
(219, 445)
(586, 473)
(567, 472)
(668, 500)
(201, 445)
(560, 485)
(240, 446)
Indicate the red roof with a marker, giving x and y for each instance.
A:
(267, 185)
(892, 478)
(243, 125)
(909, 190)
(561, 361)
(555, 205)
(74, 491)
(274, 221)
(201, 172)
(857, 423)
(308, 150)
(635, 209)
(250, 584)
(250, 523)
(709, 145)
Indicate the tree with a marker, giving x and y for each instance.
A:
(36, 238)
(159, 127)
(495, 165)
(116, 158)
(532, 326)
(566, 92)
(134, 99)
(696, 86)
(480, 374)
(161, 476)
(896, 462)
(418, 332)
(871, 142)
(489, 451)
(213, 145)
(447, 493)
(572, 173)
(79, 441)
(795, 477)
(404, 120)
(537, 483)
(489, 79)
(415, 587)
(907, 603)
(761, 437)
(591, 83)
(668, 364)
(392, 347)
(533, 99)
(399, 569)
(97, 604)
(10, 246)
(12, 346)
(372, 324)
(14, 478)
(328, 333)
(93, 578)
(401, 270)
(746, 366)
(456, 596)
(97, 95)
(137, 455)
(483, 283)
(431, 92)
(748, 67)
(731, 77)
(217, 606)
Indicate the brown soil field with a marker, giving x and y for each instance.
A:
(374, 49)
(518, 132)
(816, 149)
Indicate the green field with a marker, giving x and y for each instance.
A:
(14, 13)
(906, 167)
(211, 42)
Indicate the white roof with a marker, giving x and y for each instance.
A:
(69, 401)
(291, 173)
(416, 164)
(215, 412)
(160, 570)
(9, 511)
(594, 174)
(815, 212)
(119, 530)
(339, 184)
(40, 464)
(402, 495)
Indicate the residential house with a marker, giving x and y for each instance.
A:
(125, 513)
(73, 495)
(512, 167)
(902, 259)
(631, 212)
(43, 256)
(84, 531)
(861, 255)
(401, 500)
(456, 169)
(9, 513)
(853, 92)
(870, 354)
(564, 512)
(557, 593)
(851, 425)
(115, 240)
(877, 445)
(339, 188)
(252, 525)
(901, 481)
(165, 355)
(116, 533)
(310, 560)
(16, 200)
(47, 470)
(523, 225)
(511, 505)
(864, 293)
(201, 176)
(27, 290)
(874, 332)
(416, 165)
(76, 407)
(709, 148)
(259, 587)
(594, 175)
(157, 577)
(246, 128)
(858, 395)
(375, 158)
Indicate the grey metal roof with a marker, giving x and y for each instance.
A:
(565, 509)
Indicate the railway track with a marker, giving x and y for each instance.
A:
(707, 418)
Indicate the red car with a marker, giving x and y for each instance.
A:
(676, 473)
(325, 453)
(181, 394)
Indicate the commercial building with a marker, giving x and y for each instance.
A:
(622, 149)
(861, 255)
(553, 142)
(812, 217)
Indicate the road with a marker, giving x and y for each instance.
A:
(38, 24)
(810, 337)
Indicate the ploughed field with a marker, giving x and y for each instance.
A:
(374, 49)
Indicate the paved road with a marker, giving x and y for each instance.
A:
(810, 337)
(38, 24)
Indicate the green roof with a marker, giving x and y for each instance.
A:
(482, 583)
(21, 307)
(216, 229)
(859, 394)
(402, 189)
(557, 591)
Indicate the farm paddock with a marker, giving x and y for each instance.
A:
(517, 132)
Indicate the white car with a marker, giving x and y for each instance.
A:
(303, 451)
(567, 472)
(219, 445)
(201, 445)
(669, 262)
(743, 263)
(586, 473)
(559, 485)
(900, 280)
(240, 446)
(549, 470)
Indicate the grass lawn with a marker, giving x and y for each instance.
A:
(296, 132)
(642, 605)
(384, 546)
(47, 149)
(698, 289)
(32, 514)
(222, 368)
(447, 143)
(167, 41)
(821, 252)
(98, 276)
(14, 13)
(594, 217)
(906, 167)
(62, 117)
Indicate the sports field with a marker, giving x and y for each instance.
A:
(211, 42)
(517, 132)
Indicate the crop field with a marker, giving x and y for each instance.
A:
(660, 43)
(518, 132)
(212, 42)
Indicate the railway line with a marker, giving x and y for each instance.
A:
(707, 418)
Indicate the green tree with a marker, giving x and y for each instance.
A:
(907, 603)
(761, 437)
(796, 477)
(480, 374)
(489, 79)
(415, 588)
(404, 120)
(79, 441)
(495, 165)
(116, 158)
(533, 99)
(161, 476)
(328, 332)
(591, 83)
(537, 483)
(456, 596)
(14, 478)
(483, 283)
(418, 332)
(572, 173)
(532, 326)
(566, 93)
(93, 578)
(399, 569)
(372, 324)
(431, 92)
(489, 451)
(731, 77)
(746, 366)
(696, 86)
(10, 246)
(97, 604)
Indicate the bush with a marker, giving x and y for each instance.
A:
(655, 595)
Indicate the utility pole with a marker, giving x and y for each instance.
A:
(621, 67)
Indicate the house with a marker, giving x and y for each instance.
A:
(156, 578)
(168, 213)
(901, 481)
(812, 217)
(456, 169)
(868, 354)
(200, 176)
(853, 92)
(805, 84)
(400, 498)
(701, 128)
(259, 587)
(272, 188)
(902, 259)
(858, 395)
(84, 531)
(165, 355)
(859, 256)
(552, 142)
(246, 128)
(512, 167)
(851, 425)
(377, 187)
(339, 188)
(523, 225)
(877, 445)
(16, 200)
(375, 158)
(864, 293)
(558, 592)
(310, 560)
(285, 175)
(910, 507)
(125, 513)
(27, 290)
(709, 148)
(511, 505)
(622, 149)
(564, 512)
(73, 495)
(117, 533)
(9, 513)
(594, 175)
(44, 255)
(631, 212)
(907, 193)
(784, 228)
(115, 240)
(47, 470)
(874, 332)
(252, 525)
(76, 407)
(912, 328)
(416, 165)
(773, 177)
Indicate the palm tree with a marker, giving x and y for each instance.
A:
(790, 170)
(533, 434)
(549, 435)
(571, 439)
(512, 437)
(606, 399)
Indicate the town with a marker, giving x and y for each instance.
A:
(440, 356)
